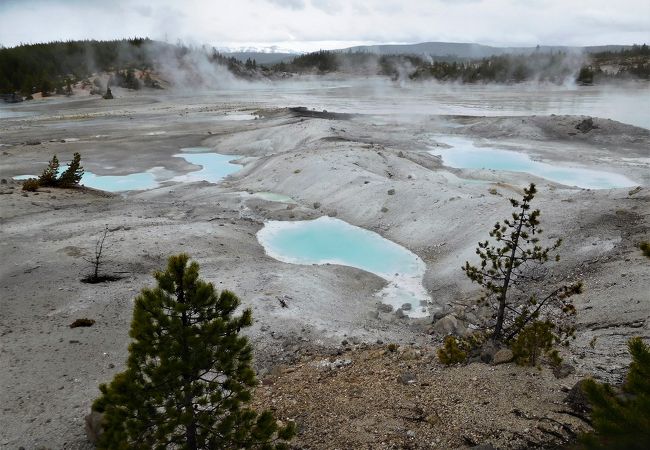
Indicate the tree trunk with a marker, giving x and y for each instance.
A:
(498, 328)
(190, 428)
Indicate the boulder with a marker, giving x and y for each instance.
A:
(488, 351)
(93, 426)
(406, 378)
(450, 325)
(586, 125)
(502, 356)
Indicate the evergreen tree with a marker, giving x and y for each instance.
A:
(622, 421)
(49, 175)
(510, 266)
(188, 373)
(72, 175)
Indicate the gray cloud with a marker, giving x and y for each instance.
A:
(313, 24)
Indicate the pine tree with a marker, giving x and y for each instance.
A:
(622, 421)
(188, 373)
(514, 263)
(72, 175)
(49, 176)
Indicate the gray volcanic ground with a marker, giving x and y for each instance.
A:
(374, 167)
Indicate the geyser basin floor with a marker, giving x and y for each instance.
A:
(214, 166)
(332, 241)
(465, 155)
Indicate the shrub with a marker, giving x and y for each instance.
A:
(451, 352)
(622, 421)
(532, 342)
(31, 185)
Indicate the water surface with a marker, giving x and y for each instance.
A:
(464, 154)
(328, 240)
(213, 166)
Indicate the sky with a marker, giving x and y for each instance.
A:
(308, 25)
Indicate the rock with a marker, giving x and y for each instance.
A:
(336, 364)
(450, 325)
(383, 307)
(391, 192)
(407, 378)
(409, 354)
(488, 351)
(93, 426)
(406, 307)
(563, 370)
(399, 313)
(33, 142)
(3, 181)
(108, 95)
(586, 125)
(316, 205)
(502, 356)
(577, 399)
(439, 315)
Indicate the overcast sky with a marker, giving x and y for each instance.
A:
(306, 25)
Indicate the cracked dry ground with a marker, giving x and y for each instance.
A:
(406, 399)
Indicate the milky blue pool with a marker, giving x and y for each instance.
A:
(213, 166)
(464, 154)
(328, 240)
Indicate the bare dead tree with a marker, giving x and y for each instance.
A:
(97, 260)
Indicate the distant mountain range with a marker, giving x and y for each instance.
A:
(431, 49)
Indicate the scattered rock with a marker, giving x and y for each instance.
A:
(332, 365)
(502, 356)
